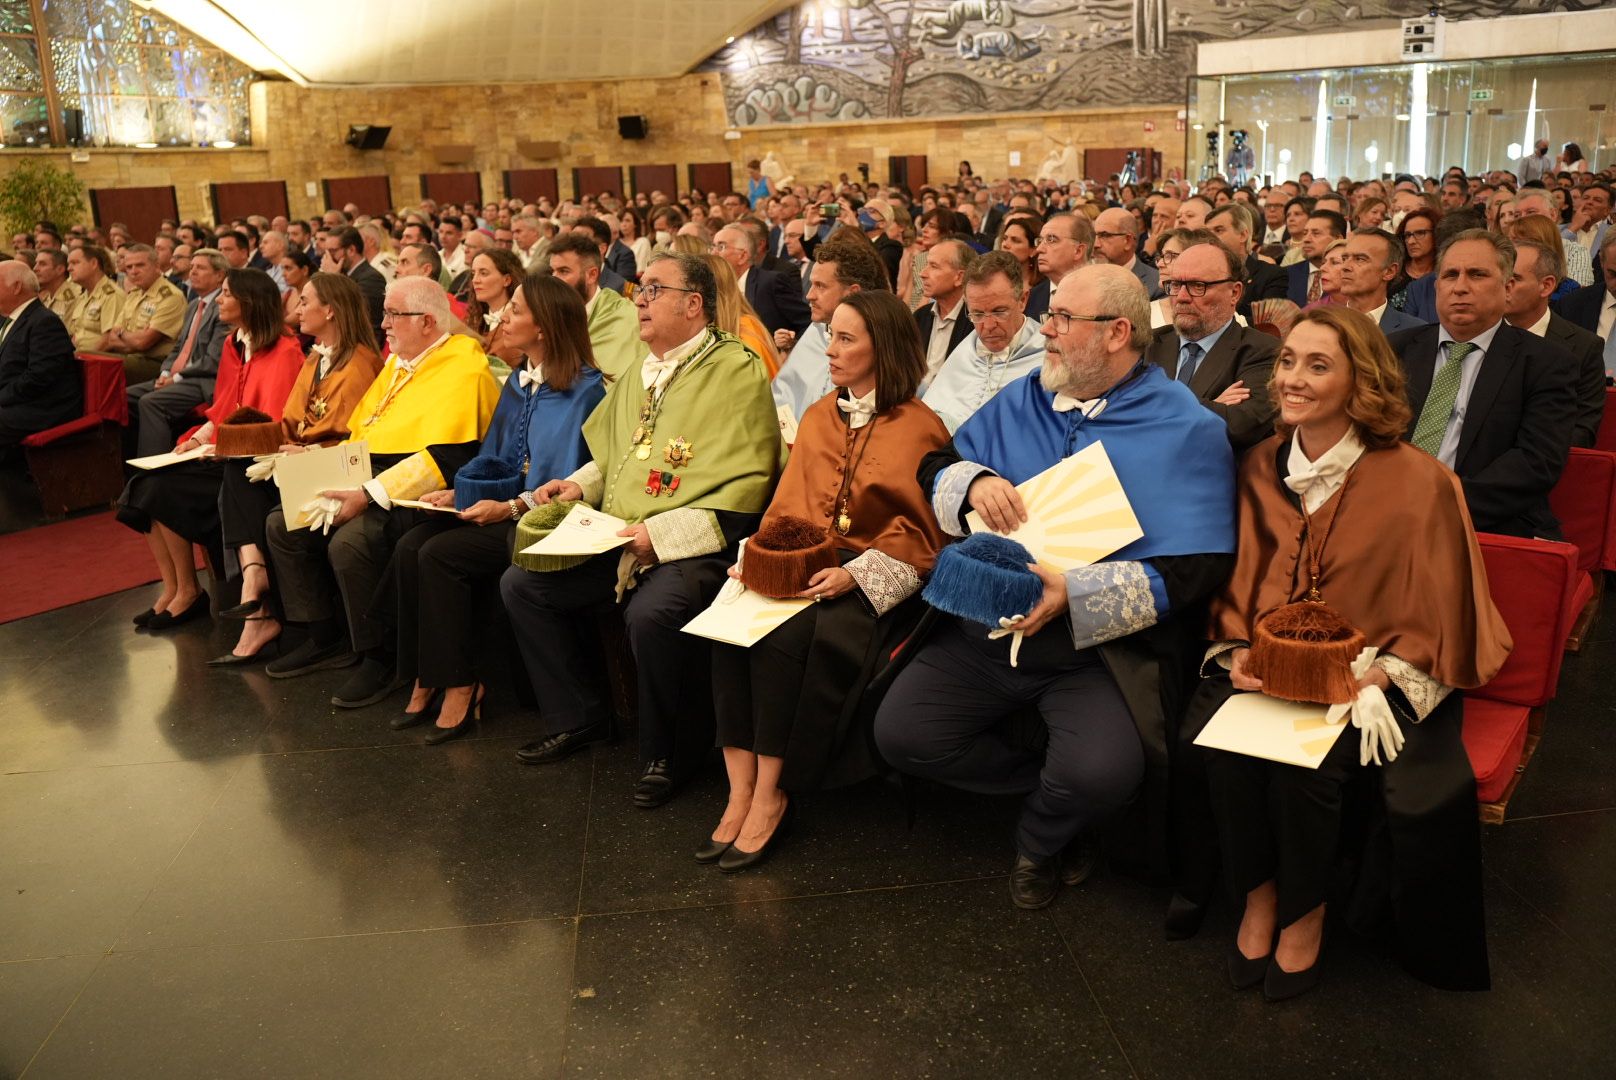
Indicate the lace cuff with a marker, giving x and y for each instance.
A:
(886, 582)
(1109, 600)
(1222, 654)
(949, 491)
(589, 478)
(1423, 692)
(684, 533)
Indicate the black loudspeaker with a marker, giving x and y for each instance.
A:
(631, 127)
(368, 136)
(73, 126)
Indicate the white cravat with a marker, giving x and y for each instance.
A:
(324, 353)
(1315, 481)
(492, 319)
(244, 346)
(658, 370)
(859, 410)
(530, 375)
(1066, 403)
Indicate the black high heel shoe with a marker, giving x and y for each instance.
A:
(734, 859)
(475, 713)
(246, 607)
(434, 705)
(1244, 971)
(1282, 985)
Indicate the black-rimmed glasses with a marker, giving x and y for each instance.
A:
(1063, 320)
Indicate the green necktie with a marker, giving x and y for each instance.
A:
(1439, 403)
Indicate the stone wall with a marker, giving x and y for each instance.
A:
(298, 137)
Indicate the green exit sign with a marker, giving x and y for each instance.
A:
(1344, 101)
(1481, 95)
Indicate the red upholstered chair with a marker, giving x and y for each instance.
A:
(1606, 439)
(1583, 501)
(80, 463)
(1532, 583)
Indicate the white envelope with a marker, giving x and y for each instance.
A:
(1260, 726)
(417, 504)
(301, 477)
(584, 531)
(740, 616)
(1077, 512)
(159, 461)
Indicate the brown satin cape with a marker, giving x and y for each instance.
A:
(830, 743)
(1402, 565)
(341, 390)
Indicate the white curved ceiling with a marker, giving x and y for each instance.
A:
(352, 42)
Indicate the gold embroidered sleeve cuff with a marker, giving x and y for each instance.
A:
(684, 533)
(886, 582)
(409, 479)
(589, 478)
(1423, 692)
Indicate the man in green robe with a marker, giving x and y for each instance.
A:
(614, 325)
(686, 449)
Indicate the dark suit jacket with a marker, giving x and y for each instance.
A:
(926, 313)
(1392, 320)
(203, 363)
(1038, 300)
(1583, 306)
(778, 300)
(1241, 354)
(374, 286)
(1149, 277)
(1517, 427)
(40, 385)
(1264, 281)
(1296, 282)
(780, 264)
(891, 253)
(611, 279)
(1588, 351)
(620, 257)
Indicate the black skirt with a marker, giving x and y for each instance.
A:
(184, 497)
(245, 505)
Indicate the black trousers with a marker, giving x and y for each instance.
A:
(158, 412)
(755, 691)
(551, 616)
(939, 718)
(315, 569)
(443, 571)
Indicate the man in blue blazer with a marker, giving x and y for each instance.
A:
(40, 385)
(1374, 259)
(1323, 228)
(776, 297)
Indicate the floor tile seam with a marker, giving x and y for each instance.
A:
(1561, 814)
(710, 906)
(130, 950)
(464, 740)
(53, 956)
(1110, 1028)
(1570, 938)
(577, 919)
(71, 1005)
(243, 756)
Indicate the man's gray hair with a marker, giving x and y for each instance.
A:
(423, 295)
(19, 274)
(213, 257)
(1503, 249)
(1549, 261)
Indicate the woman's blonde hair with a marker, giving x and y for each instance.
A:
(1378, 404)
(733, 306)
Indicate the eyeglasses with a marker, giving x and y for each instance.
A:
(1194, 288)
(998, 314)
(1113, 236)
(651, 292)
(1417, 232)
(386, 315)
(1045, 241)
(1062, 320)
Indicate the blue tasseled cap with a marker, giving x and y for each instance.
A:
(984, 578)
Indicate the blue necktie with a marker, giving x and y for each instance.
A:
(1189, 358)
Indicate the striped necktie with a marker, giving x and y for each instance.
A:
(1438, 410)
(1189, 358)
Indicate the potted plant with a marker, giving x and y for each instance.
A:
(34, 190)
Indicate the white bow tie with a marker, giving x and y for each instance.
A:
(1066, 403)
(492, 319)
(324, 353)
(657, 371)
(859, 411)
(529, 376)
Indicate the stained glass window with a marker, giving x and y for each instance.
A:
(137, 78)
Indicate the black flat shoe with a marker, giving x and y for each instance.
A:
(475, 713)
(712, 850)
(1077, 861)
(167, 620)
(404, 721)
(735, 860)
(1281, 985)
(1033, 882)
(373, 681)
(310, 657)
(553, 748)
(1245, 972)
(655, 786)
(144, 617)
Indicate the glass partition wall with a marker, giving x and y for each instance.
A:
(1414, 118)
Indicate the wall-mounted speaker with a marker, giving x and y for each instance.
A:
(631, 127)
(368, 136)
(73, 126)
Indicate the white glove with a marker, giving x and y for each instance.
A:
(1012, 627)
(1372, 716)
(262, 468)
(320, 513)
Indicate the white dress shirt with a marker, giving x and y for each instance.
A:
(942, 330)
(1469, 368)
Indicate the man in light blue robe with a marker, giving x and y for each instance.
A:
(1004, 346)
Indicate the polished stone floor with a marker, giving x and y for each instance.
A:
(212, 874)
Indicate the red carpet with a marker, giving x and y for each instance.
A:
(56, 565)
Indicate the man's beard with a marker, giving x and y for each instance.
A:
(1081, 375)
(582, 288)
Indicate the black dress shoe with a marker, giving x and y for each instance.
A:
(555, 747)
(655, 786)
(309, 657)
(1077, 861)
(404, 721)
(167, 620)
(1034, 882)
(1244, 971)
(373, 681)
(1184, 917)
(735, 860)
(144, 617)
(1281, 985)
(712, 850)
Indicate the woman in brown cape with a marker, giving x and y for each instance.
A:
(788, 707)
(1393, 551)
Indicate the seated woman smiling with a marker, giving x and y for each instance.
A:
(1342, 521)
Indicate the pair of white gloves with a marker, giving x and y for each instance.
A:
(320, 513)
(1371, 715)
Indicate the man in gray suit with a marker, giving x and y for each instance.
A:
(185, 380)
(1227, 365)
(1374, 259)
(1538, 272)
(1116, 239)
